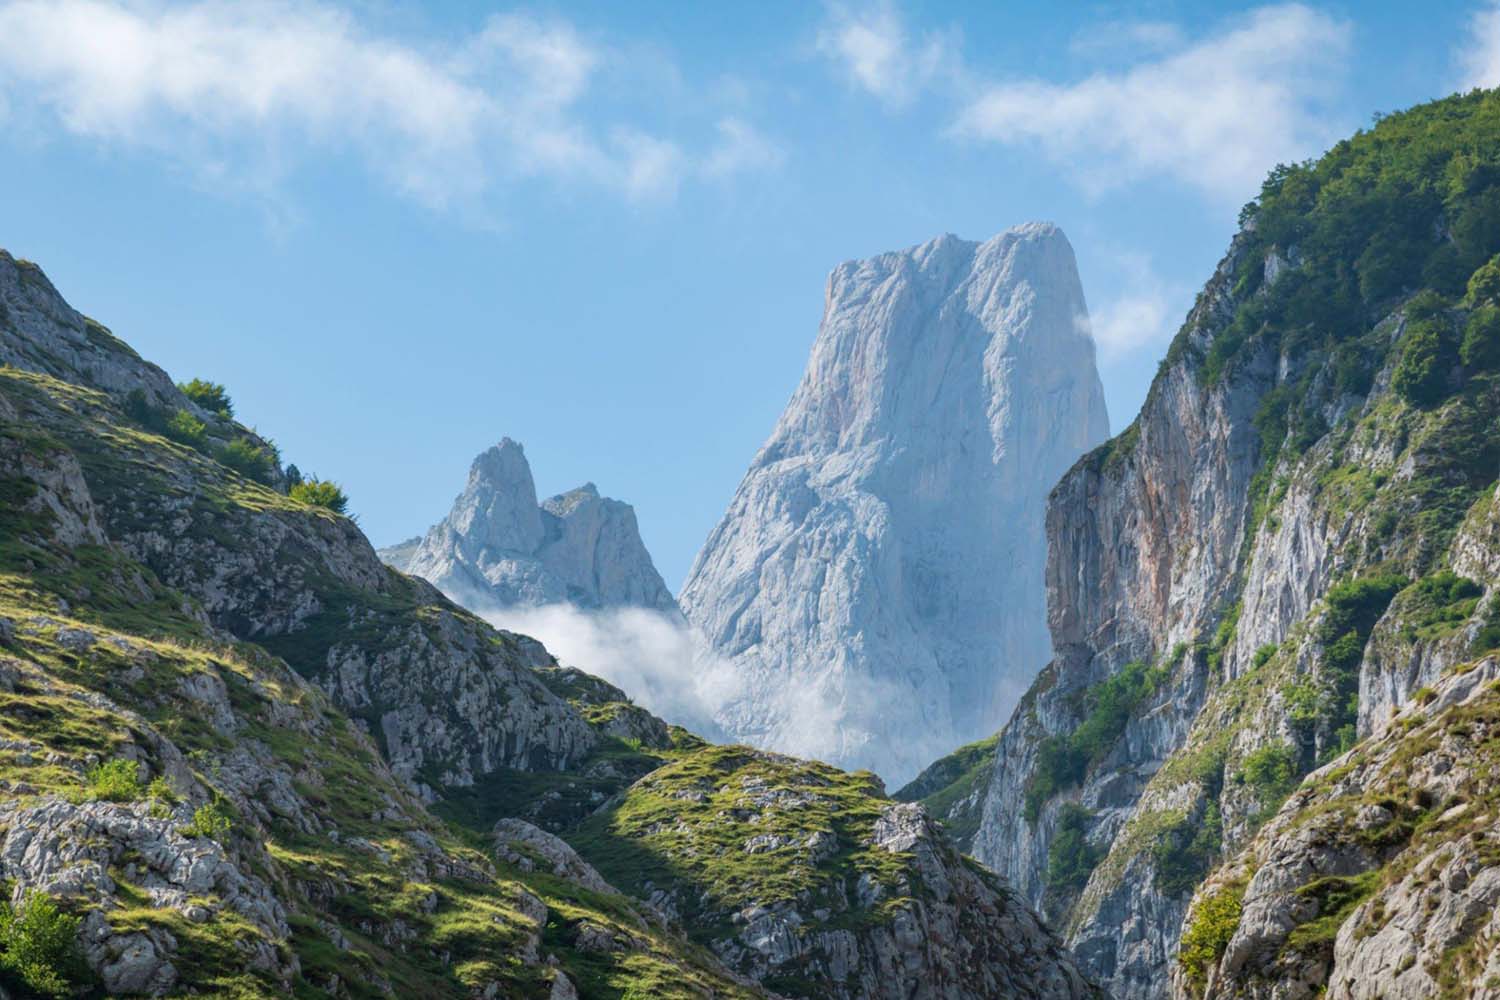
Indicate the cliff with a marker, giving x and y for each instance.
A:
(1277, 553)
(852, 581)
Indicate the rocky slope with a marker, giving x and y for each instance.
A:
(1288, 543)
(852, 580)
(809, 881)
(499, 548)
(241, 757)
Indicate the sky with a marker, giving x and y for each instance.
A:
(398, 233)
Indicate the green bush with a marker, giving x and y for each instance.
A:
(210, 820)
(249, 460)
(115, 780)
(1481, 345)
(39, 948)
(210, 395)
(1484, 284)
(1427, 356)
(1215, 919)
(321, 493)
(1071, 859)
(182, 426)
(1186, 851)
(1272, 771)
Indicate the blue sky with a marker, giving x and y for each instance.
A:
(398, 233)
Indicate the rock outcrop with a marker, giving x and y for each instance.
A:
(810, 881)
(877, 579)
(499, 548)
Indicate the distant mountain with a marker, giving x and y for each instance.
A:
(499, 548)
(878, 575)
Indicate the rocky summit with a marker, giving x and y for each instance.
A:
(242, 757)
(877, 578)
(499, 548)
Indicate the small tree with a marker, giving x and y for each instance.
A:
(182, 426)
(1421, 375)
(212, 396)
(115, 780)
(39, 947)
(1481, 346)
(321, 493)
(1484, 284)
(247, 459)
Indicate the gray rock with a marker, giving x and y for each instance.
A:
(878, 577)
(499, 548)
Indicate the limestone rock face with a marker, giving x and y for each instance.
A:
(877, 578)
(499, 548)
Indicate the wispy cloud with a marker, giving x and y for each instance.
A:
(741, 147)
(1479, 57)
(255, 86)
(879, 54)
(1142, 314)
(1130, 38)
(1215, 114)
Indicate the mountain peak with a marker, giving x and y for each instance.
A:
(949, 385)
(499, 547)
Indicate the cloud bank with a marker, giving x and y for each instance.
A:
(256, 86)
(666, 667)
(660, 663)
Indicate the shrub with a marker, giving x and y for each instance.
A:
(1185, 851)
(1263, 655)
(210, 395)
(1484, 284)
(1215, 919)
(182, 426)
(1071, 859)
(115, 780)
(39, 947)
(1421, 375)
(1481, 345)
(321, 493)
(1272, 771)
(249, 460)
(210, 820)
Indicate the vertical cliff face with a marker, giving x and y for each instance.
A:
(853, 579)
(1290, 542)
(499, 548)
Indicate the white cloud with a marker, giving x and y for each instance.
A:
(879, 54)
(254, 86)
(740, 148)
(1480, 57)
(1142, 315)
(661, 664)
(667, 667)
(1216, 114)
